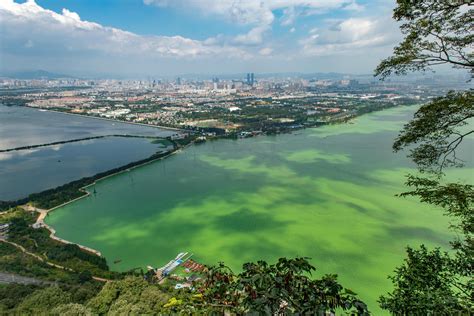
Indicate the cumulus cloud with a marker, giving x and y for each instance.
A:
(266, 51)
(258, 13)
(56, 33)
(253, 37)
(34, 37)
(349, 35)
(354, 6)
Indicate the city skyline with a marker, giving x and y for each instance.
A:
(140, 38)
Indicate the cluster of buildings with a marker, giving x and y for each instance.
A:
(224, 103)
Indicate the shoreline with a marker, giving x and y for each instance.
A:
(87, 193)
(43, 214)
(108, 119)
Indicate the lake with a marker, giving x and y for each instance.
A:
(326, 193)
(23, 126)
(23, 172)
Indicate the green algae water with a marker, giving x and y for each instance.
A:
(325, 193)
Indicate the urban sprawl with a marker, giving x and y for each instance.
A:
(217, 107)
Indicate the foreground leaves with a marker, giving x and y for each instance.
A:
(433, 282)
(282, 288)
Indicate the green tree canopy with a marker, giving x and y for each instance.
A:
(284, 288)
(436, 32)
(41, 302)
(423, 285)
(132, 295)
(71, 309)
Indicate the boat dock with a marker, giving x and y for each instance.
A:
(164, 271)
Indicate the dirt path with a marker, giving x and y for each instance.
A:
(40, 223)
(22, 249)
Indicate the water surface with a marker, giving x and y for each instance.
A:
(325, 193)
(23, 126)
(23, 172)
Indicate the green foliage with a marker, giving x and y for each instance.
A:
(438, 128)
(61, 253)
(38, 241)
(423, 285)
(14, 261)
(436, 32)
(456, 199)
(132, 295)
(71, 309)
(12, 295)
(281, 288)
(285, 288)
(42, 301)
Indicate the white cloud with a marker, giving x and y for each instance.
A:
(253, 37)
(33, 37)
(266, 51)
(255, 12)
(349, 35)
(56, 33)
(250, 11)
(354, 6)
(289, 16)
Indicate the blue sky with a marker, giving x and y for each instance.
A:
(152, 37)
(135, 16)
(140, 18)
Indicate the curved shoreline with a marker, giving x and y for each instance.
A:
(40, 221)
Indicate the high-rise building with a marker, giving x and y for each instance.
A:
(250, 79)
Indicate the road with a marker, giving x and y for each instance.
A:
(47, 262)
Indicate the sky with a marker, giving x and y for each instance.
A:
(172, 37)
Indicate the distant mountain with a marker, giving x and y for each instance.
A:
(37, 74)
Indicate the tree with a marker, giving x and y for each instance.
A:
(423, 285)
(11, 295)
(71, 309)
(133, 295)
(42, 301)
(439, 128)
(436, 32)
(282, 288)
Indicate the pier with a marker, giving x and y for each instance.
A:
(164, 271)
